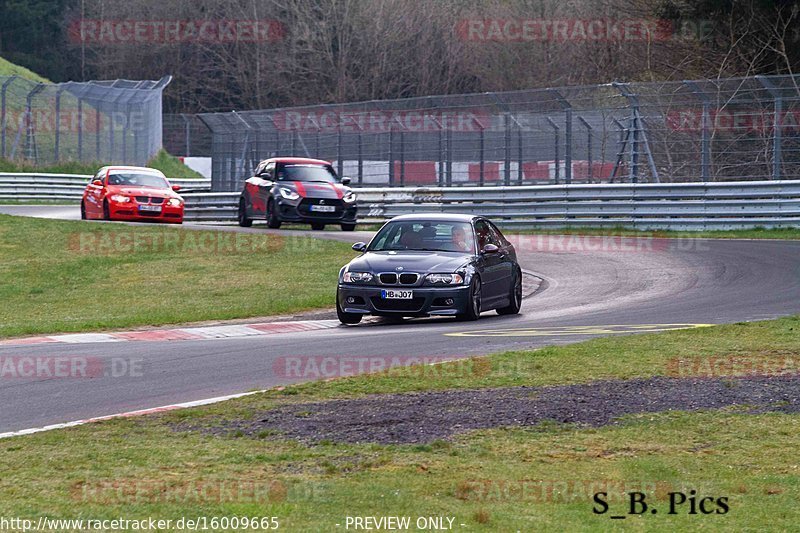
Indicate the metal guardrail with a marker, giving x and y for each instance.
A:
(691, 206)
(711, 205)
(65, 187)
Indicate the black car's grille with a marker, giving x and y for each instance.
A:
(304, 208)
(412, 305)
(149, 200)
(388, 279)
(406, 278)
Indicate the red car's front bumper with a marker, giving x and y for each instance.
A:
(132, 211)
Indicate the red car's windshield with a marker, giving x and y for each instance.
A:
(306, 173)
(138, 179)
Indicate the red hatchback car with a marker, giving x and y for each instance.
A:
(131, 193)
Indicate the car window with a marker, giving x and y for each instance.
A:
(425, 236)
(138, 179)
(270, 170)
(300, 172)
(497, 235)
(485, 235)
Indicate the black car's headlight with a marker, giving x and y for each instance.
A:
(445, 279)
(289, 194)
(357, 277)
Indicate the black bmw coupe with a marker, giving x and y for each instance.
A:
(422, 265)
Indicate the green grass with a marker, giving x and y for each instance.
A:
(144, 467)
(7, 68)
(64, 276)
(755, 233)
(170, 165)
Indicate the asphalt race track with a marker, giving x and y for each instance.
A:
(592, 286)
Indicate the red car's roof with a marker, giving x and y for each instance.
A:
(301, 160)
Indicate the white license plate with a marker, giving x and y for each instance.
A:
(150, 208)
(389, 294)
(324, 208)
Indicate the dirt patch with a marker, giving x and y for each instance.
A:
(425, 417)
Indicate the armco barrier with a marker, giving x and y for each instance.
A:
(65, 187)
(684, 206)
(712, 205)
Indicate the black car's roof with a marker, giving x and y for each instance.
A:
(435, 216)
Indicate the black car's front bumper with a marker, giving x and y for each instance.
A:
(427, 300)
(301, 211)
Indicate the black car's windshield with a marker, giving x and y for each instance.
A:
(306, 173)
(424, 235)
(138, 179)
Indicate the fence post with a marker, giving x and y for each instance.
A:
(187, 133)
(339, 161)
(30, 134)
(507, 143)
(557, 161)
(449, 164)
(3, 90)
(589, 133)
(567, 107)
(777, 135)
(482, 153)
(391, 154)
(705, 143)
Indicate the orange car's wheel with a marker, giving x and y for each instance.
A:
(106, 211)
(83, 211)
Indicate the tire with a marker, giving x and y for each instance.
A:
(515, 298)
(241, 215)
(348, 227)
(317, 226)
(273, 218)
(106, 211)
(474, 308)
(83, 211)
(346, 318)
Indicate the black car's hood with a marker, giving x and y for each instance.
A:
(422, 262)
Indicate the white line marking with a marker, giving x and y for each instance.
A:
(128, 414)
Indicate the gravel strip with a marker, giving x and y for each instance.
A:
(424, 417)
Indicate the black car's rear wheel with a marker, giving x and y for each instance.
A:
(473, 311)
(515, 298)
(348, 227)
(241, 215)
(317, 226)
(273, 218)
(346, 318)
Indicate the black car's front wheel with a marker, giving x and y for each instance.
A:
(241, 215)
(317, 226)
(473, 311)
(514, 298)
(346, 318)
(348, 227)
(273, 218)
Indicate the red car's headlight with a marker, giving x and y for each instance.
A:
(174, 202)
(120, 199)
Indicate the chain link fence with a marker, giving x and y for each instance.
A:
(186, 135)
(103, 121)
(703, 130)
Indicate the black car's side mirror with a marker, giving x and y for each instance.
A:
(360, 247)
(346, 181)
(490, 249)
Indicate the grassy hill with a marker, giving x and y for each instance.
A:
(8, 68)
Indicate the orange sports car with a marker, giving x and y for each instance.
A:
(131, 193)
